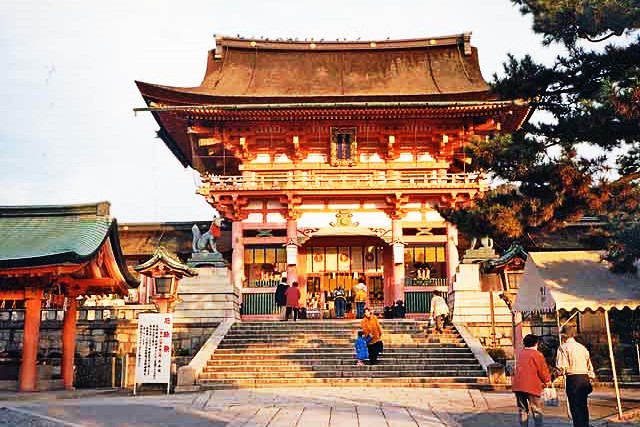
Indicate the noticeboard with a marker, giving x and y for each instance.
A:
(153, 356)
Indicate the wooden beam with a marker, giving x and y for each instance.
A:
(12, 294)
(41, 271)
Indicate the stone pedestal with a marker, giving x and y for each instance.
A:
(209, 297)
(473, 308)
(206, 259)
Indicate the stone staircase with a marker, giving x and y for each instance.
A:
(309, 353)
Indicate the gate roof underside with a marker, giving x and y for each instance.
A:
(259, 80)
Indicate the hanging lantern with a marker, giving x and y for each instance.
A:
(292, 253)
(398, 252)
(163, 284)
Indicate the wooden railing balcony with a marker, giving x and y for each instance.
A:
(332, 181)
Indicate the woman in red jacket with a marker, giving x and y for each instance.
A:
(293, 301)
(531, 375)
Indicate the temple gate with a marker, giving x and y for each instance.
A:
(331, 159)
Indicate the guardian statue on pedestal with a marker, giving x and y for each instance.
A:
(205, 243)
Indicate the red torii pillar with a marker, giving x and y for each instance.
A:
(30, 342)
(69, 333)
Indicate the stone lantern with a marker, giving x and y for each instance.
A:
(166, 271)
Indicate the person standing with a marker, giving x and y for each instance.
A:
(281, 298)
(530, 375)
(293, 301)
(361, 293)
(371, 327)
(339, 301)
(574, 363)
(439, 312)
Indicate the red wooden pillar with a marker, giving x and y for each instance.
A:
(28, 370)
(388, 279)
(69, 343)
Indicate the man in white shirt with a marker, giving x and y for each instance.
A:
(439, 311)
(573, 361)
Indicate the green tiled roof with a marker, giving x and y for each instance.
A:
(162, 255)
(515, 250)
(32, 236)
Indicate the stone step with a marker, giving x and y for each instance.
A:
(345, 355)
(291, 341)
(362, 373)
(306, 325)
(341, 337)
(315, 325)
(352, 331)
(347, 366)
(307, 353)
(256, 358)
(448, 382)
(243, 362)
(335, 364)
(314, 346)
(334, 348)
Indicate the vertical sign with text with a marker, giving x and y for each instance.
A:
(153, 357)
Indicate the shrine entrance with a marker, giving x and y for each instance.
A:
(331, 264)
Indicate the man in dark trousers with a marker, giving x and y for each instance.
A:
(281, 298)
(574, 363)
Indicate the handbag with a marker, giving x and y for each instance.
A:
(550, 396)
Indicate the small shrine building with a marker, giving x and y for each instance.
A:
(50, 256)
(331, 159)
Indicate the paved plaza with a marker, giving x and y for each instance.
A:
(304, 407)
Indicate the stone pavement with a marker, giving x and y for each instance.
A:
(303, 407)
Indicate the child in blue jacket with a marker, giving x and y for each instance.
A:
(362, 351)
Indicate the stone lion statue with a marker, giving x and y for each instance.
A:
(206, 242)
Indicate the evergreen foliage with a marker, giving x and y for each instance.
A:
(589, 97)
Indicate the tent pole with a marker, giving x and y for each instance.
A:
(638, 354)
(564, 380)
(613, 363)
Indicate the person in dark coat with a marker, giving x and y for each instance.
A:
(281, 298)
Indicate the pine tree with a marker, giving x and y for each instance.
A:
(591, 97)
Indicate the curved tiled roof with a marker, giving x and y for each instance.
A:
(34, 236)
(161, 255)
(442, 68)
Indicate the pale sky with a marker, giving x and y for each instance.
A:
(67, 130)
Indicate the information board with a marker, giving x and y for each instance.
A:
(153, 356)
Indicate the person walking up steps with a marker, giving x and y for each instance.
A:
(439, 312)
(362, 351)
(371, 327)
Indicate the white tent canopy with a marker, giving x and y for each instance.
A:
(574, 280)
